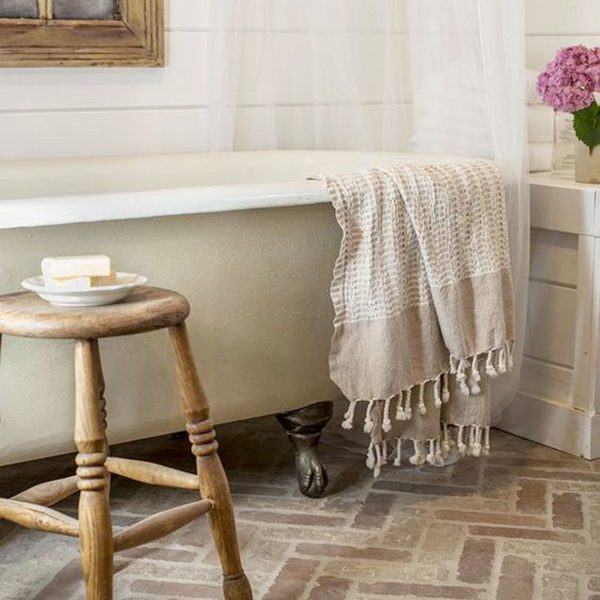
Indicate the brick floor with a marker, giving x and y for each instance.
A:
(522, 524)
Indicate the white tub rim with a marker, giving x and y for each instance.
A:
(34, 210)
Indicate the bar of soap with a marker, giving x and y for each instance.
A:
(76, 284)
(66, 267)
(108, 280)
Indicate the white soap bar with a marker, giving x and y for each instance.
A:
(76, 266)
(110, 279)
(76, 284)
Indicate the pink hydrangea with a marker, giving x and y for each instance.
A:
(570, 80)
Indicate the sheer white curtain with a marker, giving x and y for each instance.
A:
(327, 74)
(435, 76)
(468, 77)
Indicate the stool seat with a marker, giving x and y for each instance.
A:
(25, 314)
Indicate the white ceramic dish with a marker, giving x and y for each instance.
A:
(98, 296)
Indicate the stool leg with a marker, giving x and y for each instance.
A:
(101, 391)
(212, 478)
(95, 535)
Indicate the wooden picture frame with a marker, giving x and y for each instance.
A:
(134, 39)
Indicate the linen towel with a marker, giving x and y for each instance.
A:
(423, 302)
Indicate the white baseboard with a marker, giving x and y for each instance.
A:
(559, 427)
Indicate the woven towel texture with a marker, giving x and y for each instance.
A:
(423, 301)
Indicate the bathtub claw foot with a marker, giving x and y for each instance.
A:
(304, 427)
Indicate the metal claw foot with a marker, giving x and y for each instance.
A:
(304, 427)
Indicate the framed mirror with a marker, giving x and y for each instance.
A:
(81, 33)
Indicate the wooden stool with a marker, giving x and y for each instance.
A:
(147, 309)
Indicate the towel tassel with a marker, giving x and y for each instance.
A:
(422, 407)
(437, 392)
(454, 362)
(445, 439)
(439, 454)
(418, 458)
(368, 419)
(486, 441)
(387, 423)
(371, 456)
(510, 359)
(430, 458)
(408, 405)
(461, 377)
(471, 442)
(378, 461)
(398, 460)
(476, 447)
(400, 416)
(490, 368)
(502, 360)
(403, 409)
(475, 376)
(445, 389)
(348, 422)
(462, 448)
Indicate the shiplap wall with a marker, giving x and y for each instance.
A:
(77, 112)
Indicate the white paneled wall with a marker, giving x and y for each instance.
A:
(555, 23)
(67, 112)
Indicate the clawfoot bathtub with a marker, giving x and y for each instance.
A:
(243, 235)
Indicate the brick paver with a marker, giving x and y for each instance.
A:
(522, 524)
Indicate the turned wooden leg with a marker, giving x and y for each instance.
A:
(101, 391)
(94, 511)
(212, 479)
(304, 427)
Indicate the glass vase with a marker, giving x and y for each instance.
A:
(563, 159)
(587, 164)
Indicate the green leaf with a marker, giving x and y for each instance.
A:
(587, 125)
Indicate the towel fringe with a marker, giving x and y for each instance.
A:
(453, 365)
(368, 428)
(471, 440)
(398, 459)
(439, 453)
(371, 456)
(502, 362)
(475, 368)
(379, 460)
(348, 422)
(445, 389)
(435, 452)
(490, 367)
(486, 441)
(386, 424)
(460, 442)
(476, 447)
(422, 407)
(418, 458)
(445, 439)
(403, 409)
(475, 377)
(510, 359)
(461, 376)
(437, 392)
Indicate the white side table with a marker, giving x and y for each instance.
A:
(558, 404)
